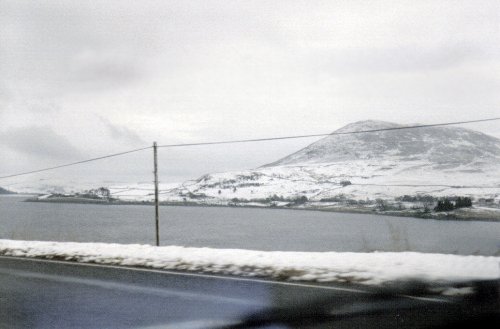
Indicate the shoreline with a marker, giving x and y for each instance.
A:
(483, 216)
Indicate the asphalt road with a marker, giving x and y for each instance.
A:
(55, 294)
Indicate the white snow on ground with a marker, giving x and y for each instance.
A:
(367, 268)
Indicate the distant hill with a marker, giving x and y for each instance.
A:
(439, 146)
(4, 191)
(439, 161)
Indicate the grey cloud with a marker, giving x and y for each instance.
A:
(56, 48)
(5, 94)
(39, 142)
(95, 70)
(44, 106)
(396, 59)
(122, 133)
(82, 46)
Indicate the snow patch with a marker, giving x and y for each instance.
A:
(366, 268)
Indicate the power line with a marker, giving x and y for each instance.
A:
(75, 163)
(248, 141)
(329, 134)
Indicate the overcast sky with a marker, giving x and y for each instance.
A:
(81, 79)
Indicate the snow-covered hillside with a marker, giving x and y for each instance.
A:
(355, 170)
(441, 147)
(361, 168)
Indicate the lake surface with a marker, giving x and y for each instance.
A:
(246, 228)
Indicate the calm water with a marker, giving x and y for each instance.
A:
(262, 229)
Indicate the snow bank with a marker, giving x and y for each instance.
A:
(367, 268)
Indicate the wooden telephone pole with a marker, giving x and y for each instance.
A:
(157, 213)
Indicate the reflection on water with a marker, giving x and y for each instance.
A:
(261, 229)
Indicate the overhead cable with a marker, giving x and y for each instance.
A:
(75, 163)
(329, 134)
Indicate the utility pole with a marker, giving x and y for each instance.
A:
(157, 214)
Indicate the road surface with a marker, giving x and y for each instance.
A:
(54, 294)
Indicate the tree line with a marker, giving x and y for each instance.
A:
(448, 205)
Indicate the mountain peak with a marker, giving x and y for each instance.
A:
(438, 146)
(367, 125)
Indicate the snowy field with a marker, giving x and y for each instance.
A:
(367, 268)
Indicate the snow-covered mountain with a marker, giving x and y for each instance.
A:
(441, 147)
(439, 161)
